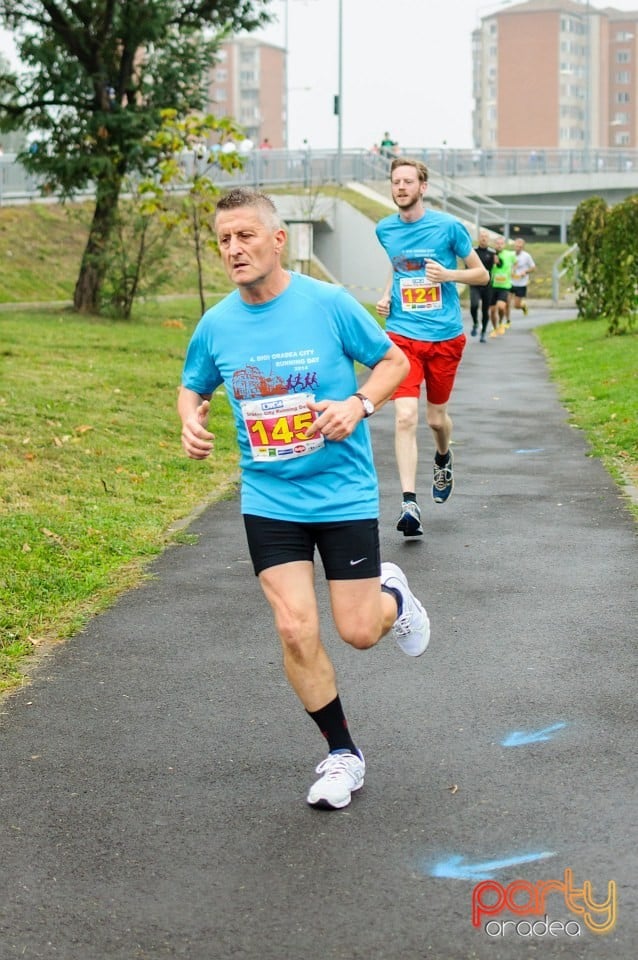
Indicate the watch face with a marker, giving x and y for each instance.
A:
(368, 406)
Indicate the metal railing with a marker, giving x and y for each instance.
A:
(560, 269)
(313, 168)
(525, 162)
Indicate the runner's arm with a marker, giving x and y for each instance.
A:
(474, 273)
(339, 418)
(383, 304)
(193, 409)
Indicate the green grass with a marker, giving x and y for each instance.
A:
(41, 248)
(91, 470)
(597, 377)
(92, 475)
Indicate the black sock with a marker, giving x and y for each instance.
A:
(441, 459)
(332, 722)
(409, 496)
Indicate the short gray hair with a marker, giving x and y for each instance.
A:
(262, 204)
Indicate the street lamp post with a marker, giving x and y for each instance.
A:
(339, 99)
(588, 73)
(286, 97)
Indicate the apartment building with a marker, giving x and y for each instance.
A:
(556, 74)
(249, 84)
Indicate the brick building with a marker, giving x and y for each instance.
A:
(249, 84)
(557, 74)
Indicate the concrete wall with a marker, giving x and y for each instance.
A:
(568, 189)
(352, 253)
(343, 241)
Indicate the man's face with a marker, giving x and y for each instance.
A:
(407, 189)
(250, 250)
(518, 245)
(499, 243)
(483, 239)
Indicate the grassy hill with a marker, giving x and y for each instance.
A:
(41, 248)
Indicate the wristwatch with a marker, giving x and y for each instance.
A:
(368, 406)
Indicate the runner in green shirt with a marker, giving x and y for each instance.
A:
(501, 276)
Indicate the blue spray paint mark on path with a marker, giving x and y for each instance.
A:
(519, 738)
(532, 450)
(457, 868)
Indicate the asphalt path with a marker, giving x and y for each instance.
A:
(153, 775)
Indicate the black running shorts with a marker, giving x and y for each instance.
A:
(349, 549)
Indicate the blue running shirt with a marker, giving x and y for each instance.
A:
(270, 356)
(421, 310)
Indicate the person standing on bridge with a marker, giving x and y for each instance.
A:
(308, 477)
(423, 317)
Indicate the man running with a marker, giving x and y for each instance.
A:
(482, 296)
(423, 311)
(501, 280)
(308, 477)
(521, 268)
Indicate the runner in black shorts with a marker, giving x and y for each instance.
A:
(286, 349)
(482, 296)
(522, 267)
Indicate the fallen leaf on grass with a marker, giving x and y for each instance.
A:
(50, 535)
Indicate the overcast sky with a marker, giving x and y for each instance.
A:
(407, 68)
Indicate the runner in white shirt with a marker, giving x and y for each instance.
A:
(521, 268)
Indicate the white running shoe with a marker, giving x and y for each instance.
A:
(341, 775)
(412, 629)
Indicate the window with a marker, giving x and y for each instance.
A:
(621, 139)
(221, 75)
(622, 97)
(623, 56)
(621, 118)
(623, 36)
(622, 76)
(220, 95)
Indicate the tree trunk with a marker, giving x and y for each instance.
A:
(86, 298)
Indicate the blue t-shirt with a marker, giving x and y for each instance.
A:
(421, 310)
(271, 355)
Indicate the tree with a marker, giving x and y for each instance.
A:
(619, 256)
(192, 208)
(95, 76)
(587, 229)
(607, 262)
